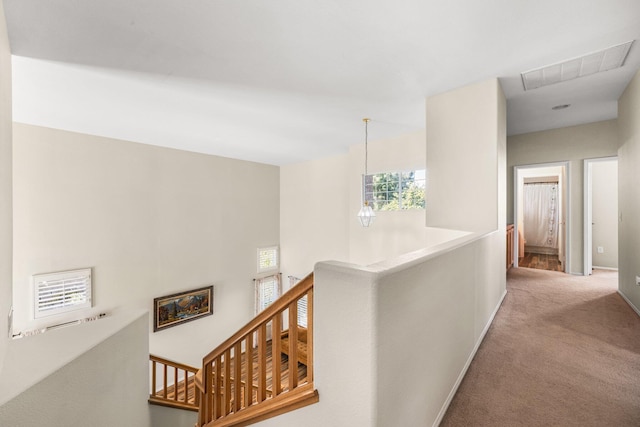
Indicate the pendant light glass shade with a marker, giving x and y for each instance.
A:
(366, 214)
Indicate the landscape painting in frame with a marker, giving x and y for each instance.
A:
(172, 310)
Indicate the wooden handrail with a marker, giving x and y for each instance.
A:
(180, 393)
(226, 399)
(172, 363)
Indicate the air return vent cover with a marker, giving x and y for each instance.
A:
(597, 62)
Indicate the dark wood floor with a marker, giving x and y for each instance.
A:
(540, 261)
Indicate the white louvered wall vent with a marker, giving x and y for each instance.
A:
(56, 293)
(596, 62)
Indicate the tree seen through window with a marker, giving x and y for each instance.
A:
(392, 191)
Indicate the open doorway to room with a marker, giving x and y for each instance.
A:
(600, 214)
(541, 210)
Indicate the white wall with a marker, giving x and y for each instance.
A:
(573, 144)
(6, 232)
(433, 316)
(464, 128)
(629, 191)
(105, 386)
(151, 221)
(163, 416)
(604, 186)
(314, 214)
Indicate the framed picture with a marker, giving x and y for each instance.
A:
(172, 310)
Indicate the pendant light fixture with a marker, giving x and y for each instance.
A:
(366, 214)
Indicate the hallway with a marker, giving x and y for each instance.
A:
(563, 351)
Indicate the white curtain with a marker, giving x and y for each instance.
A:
(541, 214)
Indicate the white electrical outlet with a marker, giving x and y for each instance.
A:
(638, 280)
(600, 250)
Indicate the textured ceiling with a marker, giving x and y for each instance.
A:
(284, 81)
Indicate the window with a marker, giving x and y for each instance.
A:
(392, 191)
(268, 289)
(302, 303)
(268, 259)
(56, 293)
(302, 312)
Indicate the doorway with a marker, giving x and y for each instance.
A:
(600, 214)
(541, 216)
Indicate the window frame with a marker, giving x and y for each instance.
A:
(59, 279)
(374, 203)
(270, 268)
(259, 305)
(302, 304)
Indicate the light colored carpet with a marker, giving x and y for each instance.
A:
(563, 351)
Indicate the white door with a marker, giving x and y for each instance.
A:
(588, 221)
(600, 214)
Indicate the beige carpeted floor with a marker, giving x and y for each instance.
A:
(563, 351)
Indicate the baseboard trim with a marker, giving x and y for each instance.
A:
(624, 297)
(597, 267)
(447, 402)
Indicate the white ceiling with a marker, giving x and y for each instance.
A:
(282, 81)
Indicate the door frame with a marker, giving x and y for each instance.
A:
(588, 211)
(567, 213)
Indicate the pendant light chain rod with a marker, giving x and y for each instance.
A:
(366, 144)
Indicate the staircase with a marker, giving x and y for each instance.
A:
(248, 378)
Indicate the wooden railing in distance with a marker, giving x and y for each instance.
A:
(509, 246)
(173, 384)
(225, 398)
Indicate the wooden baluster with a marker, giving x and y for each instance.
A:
(165, 381)
(175, 383)
(153, 378)
(310, 336)
(276, 361)
(248, 388)
(205, 403)
(217, 390)
(185, 386)
(189, 384)
(227, 381)
(293, 345)
(197, 395)
(262, 362)
(213, 392)
(237, 385)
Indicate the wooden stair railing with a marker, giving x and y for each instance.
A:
(175, 386)
(509, 246)
(225, 399)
